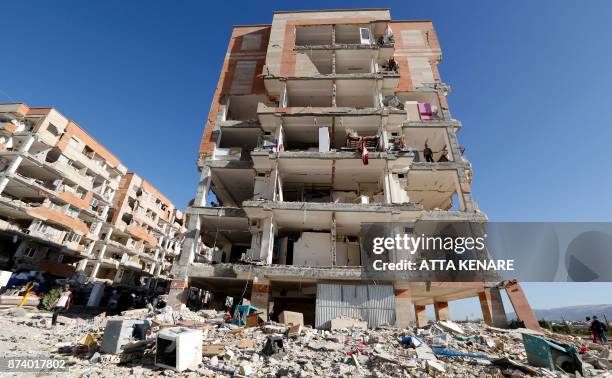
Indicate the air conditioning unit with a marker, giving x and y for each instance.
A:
(179, 348)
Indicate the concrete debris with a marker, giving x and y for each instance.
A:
(443, 349)
(245, 369)
(291, 318)
(449, 326)
(347, 323)
(246, 344)
(435, 366)
(213, 350)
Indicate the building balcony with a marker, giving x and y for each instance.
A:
(141, 233)
(368, 35)
(82, 202)
(73, 175)
(59, 217)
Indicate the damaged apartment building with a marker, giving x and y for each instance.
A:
(321, 122)
(68, 205)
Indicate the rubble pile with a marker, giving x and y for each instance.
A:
(443, 349)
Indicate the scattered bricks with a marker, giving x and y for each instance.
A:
(213, 350)
(269, 328)
(246, 344)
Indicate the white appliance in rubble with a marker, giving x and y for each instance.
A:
(179, 348)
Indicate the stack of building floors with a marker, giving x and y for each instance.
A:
(321, 122)
(67, 204)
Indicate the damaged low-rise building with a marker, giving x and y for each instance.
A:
(68, 205)
(321, 122)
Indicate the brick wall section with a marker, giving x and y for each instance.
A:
(75, 130)
(404, 49)
(233, 55)
(76, 225)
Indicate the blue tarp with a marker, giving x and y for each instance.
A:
(455, 353)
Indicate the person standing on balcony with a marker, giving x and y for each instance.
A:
(428, 153)
(62, 303)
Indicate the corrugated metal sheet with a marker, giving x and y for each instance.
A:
(374, 303)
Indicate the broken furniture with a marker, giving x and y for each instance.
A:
(117, 334)
(274, 346)
(179, 348)
(550, 354)
(241, 313)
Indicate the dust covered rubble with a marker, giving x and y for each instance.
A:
(229, 350)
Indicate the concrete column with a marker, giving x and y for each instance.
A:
(492, 306)
(81, 265)
(201, 197)
(522, 309)
(404, 309)
(260, 295)
(192, 238)
(108, 234)
(161, 261)
(12, 168)
(420, 312)
(118, 275)
(94, 270)
(267, 240)
(89, 248)
(385, 137)
(333, 239)
(102, 251)
(179, 291)
(441, 310)
(387, 177)
(98, 227)
(453, 144)
(334, 94)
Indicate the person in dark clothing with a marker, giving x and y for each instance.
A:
(112, 307)
(392, 65)
(593, 333)
(600, 329)
(428, 153)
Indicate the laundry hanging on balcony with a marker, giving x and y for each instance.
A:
(425, 111)
(362, 143)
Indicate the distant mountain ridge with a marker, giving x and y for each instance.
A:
(572, 312)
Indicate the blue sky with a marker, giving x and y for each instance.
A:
(530, 81)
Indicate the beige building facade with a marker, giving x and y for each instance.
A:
(67, 204)
(321, 122)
